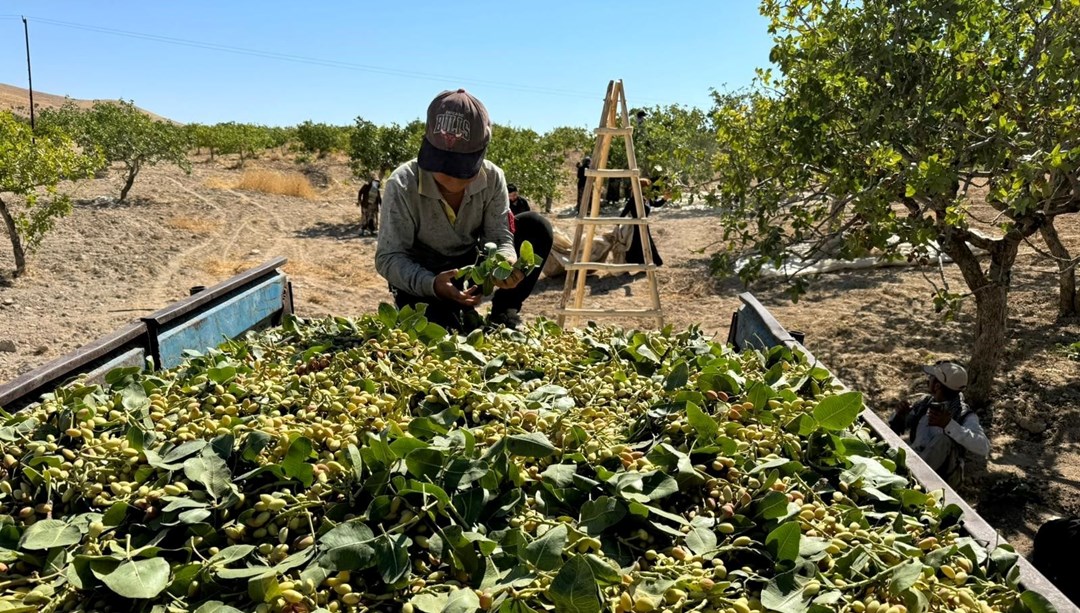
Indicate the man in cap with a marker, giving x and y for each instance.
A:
(941, 427)
(438, 208)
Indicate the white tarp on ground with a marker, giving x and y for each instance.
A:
(798, 266)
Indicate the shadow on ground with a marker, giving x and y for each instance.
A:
(339, 231)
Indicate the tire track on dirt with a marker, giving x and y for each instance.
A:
(164, 288)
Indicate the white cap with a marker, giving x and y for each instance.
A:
(949, 374)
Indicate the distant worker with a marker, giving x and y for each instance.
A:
(440, 208)
(941, 427)
(582, 166)
(369, 200)
(518, 203)
(635, 254)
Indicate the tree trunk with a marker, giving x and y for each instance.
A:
(991, 291)
(1068, 301)
(16, 240)
(132, 171)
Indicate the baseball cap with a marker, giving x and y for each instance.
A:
(457, 136)
(949, 374)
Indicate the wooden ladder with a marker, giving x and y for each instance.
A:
(615, 121)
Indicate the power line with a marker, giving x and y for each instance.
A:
(300, 59)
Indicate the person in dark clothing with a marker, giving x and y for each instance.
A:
(635, 254)
(518, 204)
(1054, 554)
(582, 166)
(369, 199)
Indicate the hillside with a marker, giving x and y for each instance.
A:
(17, 100)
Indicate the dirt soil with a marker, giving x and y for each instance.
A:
(108, 263)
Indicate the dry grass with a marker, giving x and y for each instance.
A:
(220, 182)
(316, 297)
(220, 268)
(192, 224)
(344, 270)
(273, 182)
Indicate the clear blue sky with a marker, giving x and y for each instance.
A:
(534, 64)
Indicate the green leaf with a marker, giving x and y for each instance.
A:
(137, 578)
(296, 465)
(525, 252)
(231, 554)
(425, 463)
(216, 606)
(532, 445)
(221, 375)
(701, 539)
(703, 423)
(574, 589)
(1037, 603)
(773, 506)
(600, 514)
(49, 533)
(546, 552)
(560, 475)
(431, 603)
(462, 601)
(784, 594)
(388, 315)
(839, 412)
(759, 395)
(392, 557)
(677, 378)
(905, 576)
(210, 470)
(255, 442)
(348, 546)
(783, 542)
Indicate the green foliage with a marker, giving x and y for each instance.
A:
(375, 149)
(495, 267)
(567, 139)
(526, 161)
(879, 119)
(241, 139)
(124, 135)
(31, 169)
(380, 464)
(320, 138)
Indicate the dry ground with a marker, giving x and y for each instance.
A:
(107, 263)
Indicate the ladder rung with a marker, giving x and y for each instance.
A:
(614, 131)
(611, 267)
(611, 312)
(597, 221)
(612, 173)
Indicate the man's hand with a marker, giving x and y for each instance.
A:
(511, 282)
(939, 416)
(446, 290)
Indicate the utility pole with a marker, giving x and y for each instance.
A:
(29, 73)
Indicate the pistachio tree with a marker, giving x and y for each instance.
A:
(876, 124)
(127, 136)
(31, 169)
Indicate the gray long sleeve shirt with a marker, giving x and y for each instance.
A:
(417, 238)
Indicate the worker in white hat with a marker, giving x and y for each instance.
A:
(941, 427)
